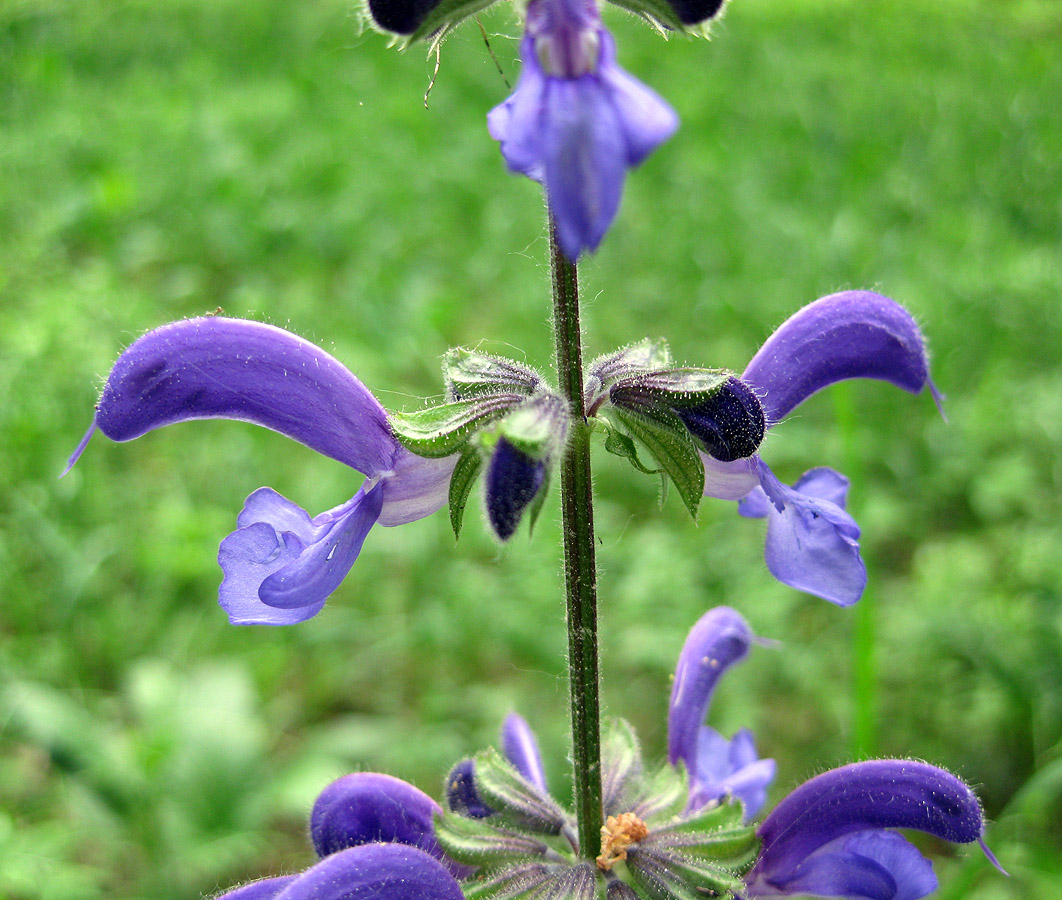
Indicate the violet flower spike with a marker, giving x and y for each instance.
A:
(280, 565)
(812, 542)
(577, 121)
(830, 837)
(717, 767)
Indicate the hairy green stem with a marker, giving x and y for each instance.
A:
(580, 572)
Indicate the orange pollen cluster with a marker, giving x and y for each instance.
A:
(617, 834)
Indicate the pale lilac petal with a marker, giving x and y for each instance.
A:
(520, 747)
(375, 872)
(644, 117)
(812, 544)
(853, 334)
(585, 161)
(718, 640)
(214, 367)
(368, 808)
(884, 793)
(729, 480)
(415, 487)
(867, 865)
(517, 123)
(280, 566)
(266, 889)
(730, 769)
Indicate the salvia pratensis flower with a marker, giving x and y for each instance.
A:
(831, 837)
(812, 543)
(577, 121)
(280, 564)
(718, 768)
(391, 871)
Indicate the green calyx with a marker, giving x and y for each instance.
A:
(652, 847)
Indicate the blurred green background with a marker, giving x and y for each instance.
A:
(162, 159)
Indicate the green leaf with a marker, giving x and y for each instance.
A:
(663, 795)
(440, 430)
(507, 884)
(537, 427)
(465, 473)
(537, 503)
(671, 444)
(646, 355)
(503, 788)
(481, 843)
(619, 444)
(469, 373)
(621, 764)
(446, 15)
(681, 387)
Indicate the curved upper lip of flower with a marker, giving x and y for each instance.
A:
(280, 565)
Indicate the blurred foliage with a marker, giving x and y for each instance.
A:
(160, 160)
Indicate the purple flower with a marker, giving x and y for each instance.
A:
(812, 543)
(829, 837)
(366, 872)
(280, 565)
(576, 121)
(717, 767)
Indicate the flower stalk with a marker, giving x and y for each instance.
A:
(580, 571)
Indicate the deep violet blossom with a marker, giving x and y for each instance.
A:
(380, 871)
(717, 767)
(812, 542)
(830, 837)
(279, 565)
(577, 121)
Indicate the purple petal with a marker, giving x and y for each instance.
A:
(368, 808)
(517, 123)
(521, 749)
(720, 639)
(266, 889)
(645, 118)
(812, 543)
(854, 334)
(729, 480)
(585, 161)
(867, 865)
(375, 872)
(415, 487)
(232, 369)
(280, 565)
(730, 768)
(884, 793)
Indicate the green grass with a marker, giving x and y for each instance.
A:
(161, 160)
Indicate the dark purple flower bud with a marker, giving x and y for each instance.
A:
(690, 12)
(824, 837)
(520, 747)
(731, 423)
(461, 794)
(367, 872)
(367, 808)
(513, 478)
